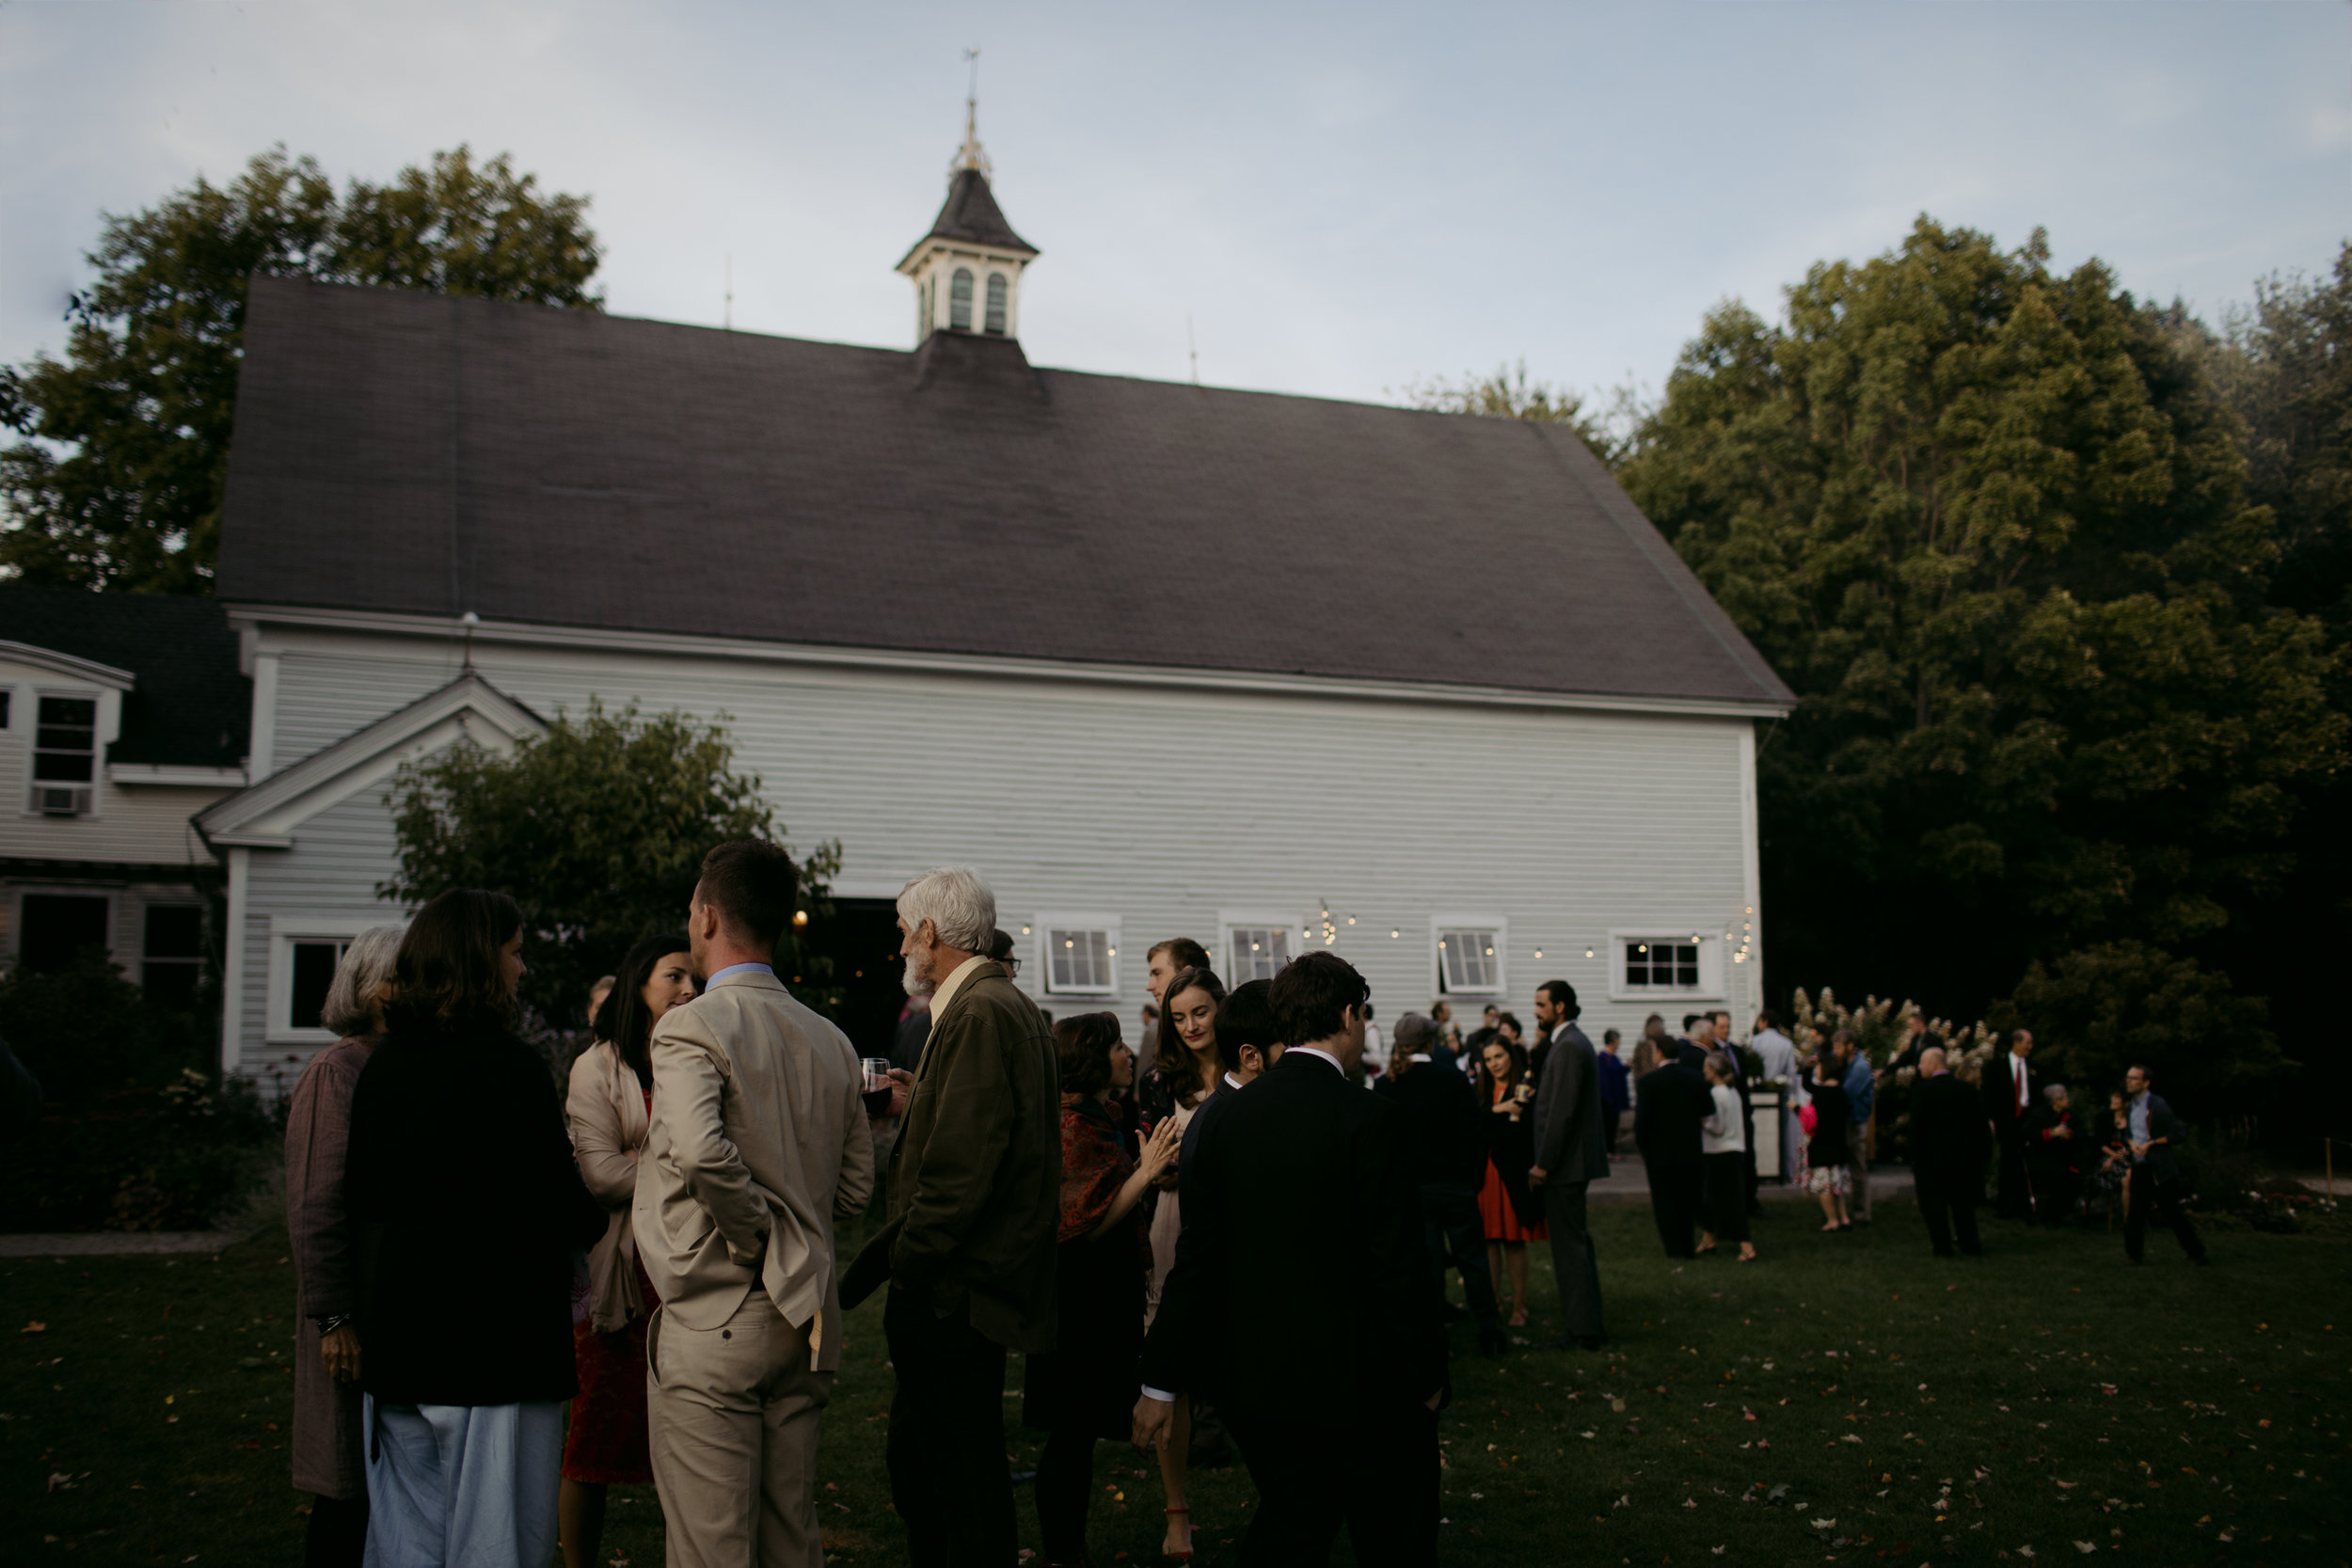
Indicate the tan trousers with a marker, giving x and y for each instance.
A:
(733, 1414)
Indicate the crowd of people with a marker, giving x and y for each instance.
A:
(1211, 1240)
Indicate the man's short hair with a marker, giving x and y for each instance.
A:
(1689, 1019)
(2016, 1035)
(957, 903)
(1001, 945)
(2140, 1068)
(1562, 997)
(752, 885)
(1183, 953)
(1845, 1038)
(1767, 1019)
(2054, 1092)
(1311, 995)
(1246, 1017)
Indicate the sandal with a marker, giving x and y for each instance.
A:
(1518, 1314)
(1185, 1556)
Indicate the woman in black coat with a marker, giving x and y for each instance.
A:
(1085, 1388)
(470, 1209)
(1507, 1206)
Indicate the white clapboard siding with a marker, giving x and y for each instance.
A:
(1158, 806)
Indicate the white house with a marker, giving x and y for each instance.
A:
(1160, 659)
(121, 715)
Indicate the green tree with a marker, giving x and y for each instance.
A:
(118, 481)
(597, 828)
(2097, 1011)
(1989, 521)
(1508, 394)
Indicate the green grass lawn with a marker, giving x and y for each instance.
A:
(1846, 1399)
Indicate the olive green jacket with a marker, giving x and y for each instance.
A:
(975, 1180)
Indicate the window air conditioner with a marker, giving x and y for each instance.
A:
(61, 799)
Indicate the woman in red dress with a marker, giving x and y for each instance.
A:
(609, 1109)
(1508, 1209)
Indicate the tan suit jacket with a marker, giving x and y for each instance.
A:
(758, 1140)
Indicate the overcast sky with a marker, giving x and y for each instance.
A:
(1340, 198)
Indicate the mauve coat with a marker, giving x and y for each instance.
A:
(327, 1456)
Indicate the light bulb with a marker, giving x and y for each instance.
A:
(1588, 952)
(1025, 930)
(1395, 933)
(799, 917)
(1539, 952)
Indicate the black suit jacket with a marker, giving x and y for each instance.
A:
(1948, 1135)
(2000, 1098)
(1300, 1280)
(1670, 1104)
(1443, 1142)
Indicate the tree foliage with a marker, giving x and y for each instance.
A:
(119, 485)
(1508, 394)
(2100, 1009)
(597, 828)
(1990, 522)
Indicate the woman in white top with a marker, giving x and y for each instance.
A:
(1724, 1141)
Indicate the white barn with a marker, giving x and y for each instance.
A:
(1160, 659)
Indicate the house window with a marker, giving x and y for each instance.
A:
(5, 695)
(995, 318)
(960, 300)
(1258, 953)
(1661, 963)
(65, 756)
(55, 929)
(315, 965)
(1078, 960)
(1469, 960)
(172, 954)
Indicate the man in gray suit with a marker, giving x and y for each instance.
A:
(1569, 1155)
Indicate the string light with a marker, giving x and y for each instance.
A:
(799, 917)
(1393, 935)
(1539, 952)
(1588, 952)
(1025, 930)
(1330, 932)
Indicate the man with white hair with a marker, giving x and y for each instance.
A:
(975, 1203)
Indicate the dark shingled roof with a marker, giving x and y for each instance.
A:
(190, 707)
(970, 213)
(412, 453)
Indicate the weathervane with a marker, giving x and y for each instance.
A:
(970, 155)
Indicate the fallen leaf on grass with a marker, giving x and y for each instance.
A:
(2084, 1547)
(43, 1328)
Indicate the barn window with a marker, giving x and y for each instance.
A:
(65, 756)
(1256, 952)
(1080, 958)
(960, 300)
(997, 290)
(1469, 960)
(1661, 963)
(171, 952)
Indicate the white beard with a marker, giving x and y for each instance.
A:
(912, 979)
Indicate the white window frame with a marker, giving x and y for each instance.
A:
(1229, 921)
(103, 724)
(1041, 961)
(286, 930)
(1500, 925)
(1713, 983)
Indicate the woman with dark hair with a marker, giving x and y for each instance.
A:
(1085, 1387)
(1509, 1211)
(1186, 1069)
(609, 1109)
(462, 1183)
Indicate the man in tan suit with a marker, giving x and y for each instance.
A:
(758, 1140)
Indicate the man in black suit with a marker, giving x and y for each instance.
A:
(1447, 1149)
(2013, 1091)
(1949, 1138)
(1569, 1157)
(1670, 1103)
(1300, 1298)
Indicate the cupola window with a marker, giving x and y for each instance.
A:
(995, 318)
(960, 300)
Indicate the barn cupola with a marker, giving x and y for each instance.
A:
(967, 269)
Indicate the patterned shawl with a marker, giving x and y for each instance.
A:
(1094, 1165)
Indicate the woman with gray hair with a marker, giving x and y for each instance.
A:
(325, 1439)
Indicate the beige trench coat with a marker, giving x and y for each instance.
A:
(606, 1111)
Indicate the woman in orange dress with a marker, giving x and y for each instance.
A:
(1509, 1211)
